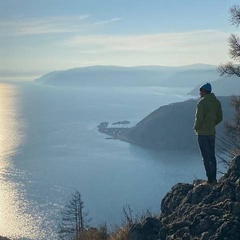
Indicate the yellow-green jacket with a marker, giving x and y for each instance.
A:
(208, 115)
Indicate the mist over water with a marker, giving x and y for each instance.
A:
(50, 147)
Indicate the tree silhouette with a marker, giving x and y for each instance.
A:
(230, 143)
(74, 220)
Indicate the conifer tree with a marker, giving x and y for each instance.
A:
(231, 68)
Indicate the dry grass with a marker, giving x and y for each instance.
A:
(119, 233)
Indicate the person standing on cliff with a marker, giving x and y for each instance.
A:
(208, 115)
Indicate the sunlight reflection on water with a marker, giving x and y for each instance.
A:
(15, 221)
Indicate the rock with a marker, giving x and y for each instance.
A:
(173, 198)
(148, 230)
(197, 211)
(135, 232)
(4, 238)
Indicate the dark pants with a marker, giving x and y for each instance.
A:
(207, 148)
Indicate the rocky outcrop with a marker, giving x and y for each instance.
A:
(197, 211)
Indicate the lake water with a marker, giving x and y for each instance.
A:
(50, 147)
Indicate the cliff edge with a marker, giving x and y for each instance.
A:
(197, 211)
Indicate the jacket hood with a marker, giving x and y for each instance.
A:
(210, 97)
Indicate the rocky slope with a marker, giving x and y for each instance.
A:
(197, 211)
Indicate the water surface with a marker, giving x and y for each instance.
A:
(50, 147)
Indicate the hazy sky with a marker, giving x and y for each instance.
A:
(60, 34)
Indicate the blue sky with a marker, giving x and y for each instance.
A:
(51, 35)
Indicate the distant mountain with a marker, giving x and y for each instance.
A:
(224, 87)
(191, 77)
(168, 128)
(198, 66)
(111, 76)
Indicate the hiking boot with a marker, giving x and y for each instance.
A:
(213, 183)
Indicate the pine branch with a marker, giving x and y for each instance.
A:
(234, 45)
(235, 15)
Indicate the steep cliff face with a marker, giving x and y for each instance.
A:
(197, 211)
